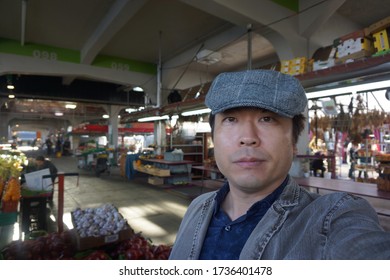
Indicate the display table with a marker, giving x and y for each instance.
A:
(352, 187)
(174, 172)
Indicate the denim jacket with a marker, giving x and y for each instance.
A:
(299, 225)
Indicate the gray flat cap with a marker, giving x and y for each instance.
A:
(267, 89)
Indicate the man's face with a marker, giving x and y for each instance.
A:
(39, 162)
(253, 148)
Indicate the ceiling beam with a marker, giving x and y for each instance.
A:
(119, 14)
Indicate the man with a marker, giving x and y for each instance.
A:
(261, 212)
(43, 163)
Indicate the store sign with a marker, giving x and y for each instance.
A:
(49, 53)
(329, 107)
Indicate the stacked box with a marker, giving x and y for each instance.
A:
(352, 46)
(363, 33)
(285, 66)
(381, 41)
(323, 58)
(323, 64)
(296, 66)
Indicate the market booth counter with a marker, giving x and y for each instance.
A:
(170, 170)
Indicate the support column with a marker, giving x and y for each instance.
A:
(5, 133)
(113, 125)
(160, 137)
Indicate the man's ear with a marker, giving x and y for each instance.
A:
(295, 150)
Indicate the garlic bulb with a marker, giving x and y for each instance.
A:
(101, 221)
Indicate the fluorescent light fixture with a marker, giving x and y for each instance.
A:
(203, 127)
(70, 106)
(138, 89)
(208, 57)
(154, 118)
(196, 112)
(58, 114)
(174, 120)
(11, 96)
(131, 110)
(348, 89)
(105, 116)
(9, 86)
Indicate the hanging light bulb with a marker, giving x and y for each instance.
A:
(10, 85)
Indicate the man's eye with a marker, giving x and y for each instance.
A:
(230, 119)
(266, 119)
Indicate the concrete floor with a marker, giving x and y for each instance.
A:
(148, 209)
(153, 210)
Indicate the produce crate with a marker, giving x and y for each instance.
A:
(85, 243)
(155, 181)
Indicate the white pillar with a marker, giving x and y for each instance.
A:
(113, 125)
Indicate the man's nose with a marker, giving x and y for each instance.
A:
(249, 135)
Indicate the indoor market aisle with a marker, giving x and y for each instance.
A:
(148, 209)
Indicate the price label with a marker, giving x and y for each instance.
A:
(45, 55)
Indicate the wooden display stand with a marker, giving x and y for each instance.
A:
(165, 169)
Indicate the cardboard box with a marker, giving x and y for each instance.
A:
(160, 172)
(35, 182)
(319, 65)
(353, 57)
(85, 243)
(352, 46)
(381, 41)
(155, 181)
(351, 36)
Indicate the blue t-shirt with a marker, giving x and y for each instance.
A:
(225, 238)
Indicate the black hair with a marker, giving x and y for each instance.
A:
(40, 158)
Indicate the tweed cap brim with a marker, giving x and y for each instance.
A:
(266, 89)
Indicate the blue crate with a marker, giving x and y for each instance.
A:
(169, 156)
